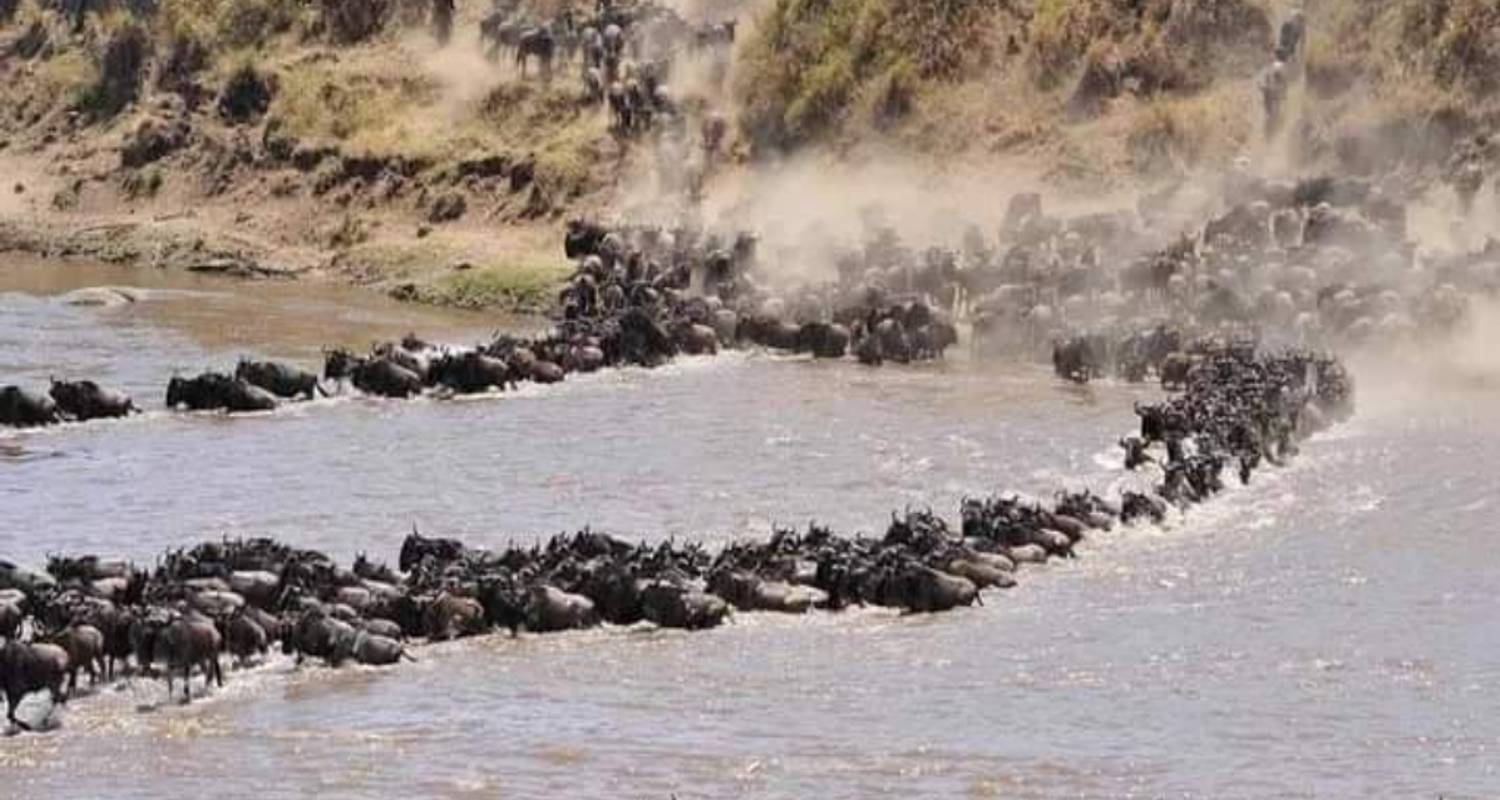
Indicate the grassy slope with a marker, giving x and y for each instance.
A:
(944, 77)
(436, 122)
(1167, 87)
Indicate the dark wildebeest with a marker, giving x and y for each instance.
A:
(442, 21)
(84, 645)
(212, 391)
(245, 638)
(22, 408)
(86, 400)
(27, 668)
(190, 641)
(538, 42)
(279, 379)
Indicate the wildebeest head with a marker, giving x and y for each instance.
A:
(177, 392)
(72, 394)
(338, 364)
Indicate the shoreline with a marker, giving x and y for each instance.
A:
(159, 242)
(185, 242)
(56, 205)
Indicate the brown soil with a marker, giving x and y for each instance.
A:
(467, 212)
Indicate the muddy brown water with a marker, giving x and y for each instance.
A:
(1326, 632)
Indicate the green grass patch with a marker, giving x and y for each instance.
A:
(361, 113)
(522, 286)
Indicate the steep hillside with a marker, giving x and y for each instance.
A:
(1118, 90)
(283, 136)
(339, 139)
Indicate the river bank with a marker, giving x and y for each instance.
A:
(425, 173)
(49, 212)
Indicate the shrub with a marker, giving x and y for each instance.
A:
(250, 23)
(122, 66)
(141, 183)
(1169, 135)
(247, 94)
(1466, 50)
(351, 21)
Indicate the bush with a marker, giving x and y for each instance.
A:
(246, 96)
(811, 59)
(154, 140)
(1162, 45)
(893, 95)
(1466, 50)
(65, 80)
(1171, 135)
(187, 57)
(250, 23)
(122, 66)
(142, 183)
(35, 38)
(351, 21)
(448, 207)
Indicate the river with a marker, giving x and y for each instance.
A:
(1327, 631)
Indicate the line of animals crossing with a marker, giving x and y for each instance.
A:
(1319, 262)
(239, 597)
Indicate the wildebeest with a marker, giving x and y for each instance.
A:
(282, 380)
(551, 609)
(11, 618)
(244, 638)
(27, 668)
(212, 391)
(538, 42)
(380, 375)
(190, 641)
(84, 645)
(86, 400)
(23, 408)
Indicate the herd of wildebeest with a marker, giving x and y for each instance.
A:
(1228, 320)
(625, 54)
(1319, 263)
(240, 597)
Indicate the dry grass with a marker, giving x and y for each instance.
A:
(66, 78)
(391, 107)
(1172, 81)
(838, 69)
(322, 104)
(811, 61)
(1397, 83)
(1171, 135)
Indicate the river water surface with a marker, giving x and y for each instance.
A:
(1328, 631)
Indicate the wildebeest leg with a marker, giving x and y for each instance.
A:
(187, 682)
(58, 698)
(218, 670)
(12, 700)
